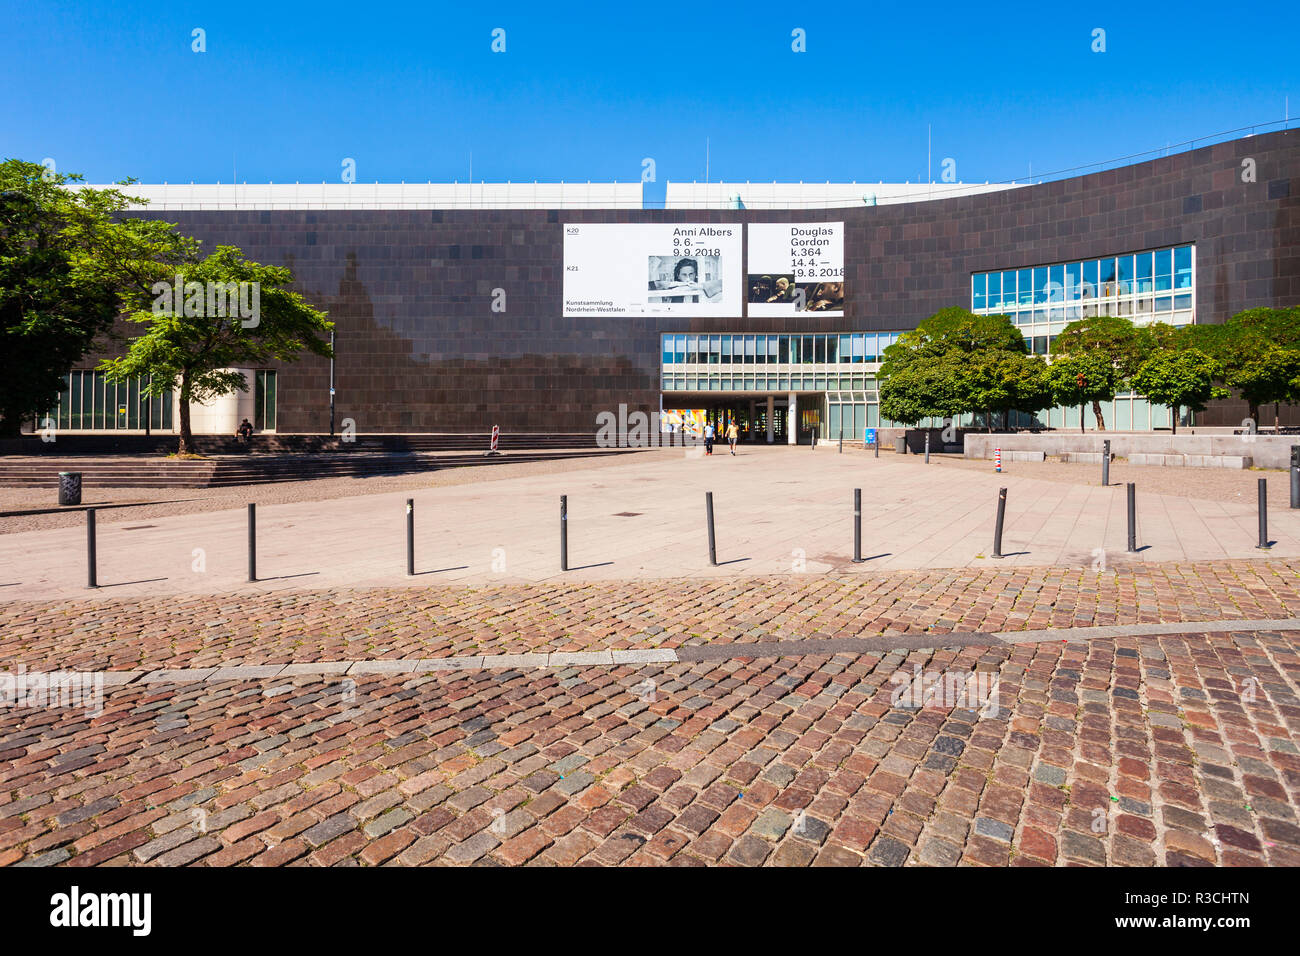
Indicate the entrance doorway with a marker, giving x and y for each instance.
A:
(748, 412)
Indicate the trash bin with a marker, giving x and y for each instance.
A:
(69, 487)
(900, 446)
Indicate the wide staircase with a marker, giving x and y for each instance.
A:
(137, 461)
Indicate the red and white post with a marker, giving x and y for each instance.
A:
(997, 460)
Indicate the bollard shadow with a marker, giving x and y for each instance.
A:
(873, 557)
(12, 584)
(74, 509)
(122, 584)
(463, 567)
(286, 577)
(733, 561)
(1013, 554)
(584, 567)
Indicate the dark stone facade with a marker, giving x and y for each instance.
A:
(420, 349)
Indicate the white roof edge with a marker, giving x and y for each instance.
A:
(479, 195)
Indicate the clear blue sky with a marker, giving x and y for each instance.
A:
(286, 91)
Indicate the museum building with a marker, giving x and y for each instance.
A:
(536, 307)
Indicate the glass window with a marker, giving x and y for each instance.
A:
(858, 345)
(692, 348)
(1090, 279)
(819, 347)
(1125, 265)
(1056, 283)
(1182, 302)
(1008, 288)
(1073, 277)
(1106, 276)
(796, 346)
(715, 349)
(668, 350)
(772, 349)
(784, 354)
(1026, 287)
(1164, 277)
(846, 348)
(1142, 271)
(1040, 344)
(749, 350)
(1183, 267)
(995, 290)
(806, 350)
(1163, 303)
(1040, 285)
(978, 285)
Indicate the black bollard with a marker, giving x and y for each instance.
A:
(91, 576)
(410, 536)
(708, 517)
(564, 532)
(997, 530)
(877, 444)
(1131, 491)
(1105, 463)
(252, 541)
(841, 439)
(1263, 514)
(1295, 476)
(857, 525)
(927, 447)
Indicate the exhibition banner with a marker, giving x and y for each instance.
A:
(795, 267)
(688, 269)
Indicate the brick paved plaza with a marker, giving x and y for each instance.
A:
(1144, 713)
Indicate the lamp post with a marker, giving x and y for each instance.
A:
(331, 383)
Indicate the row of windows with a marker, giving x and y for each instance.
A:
(90, 401)
(1128, 412)
(1174, 309)
(776, 349)
(723, 382)
(1143, 273)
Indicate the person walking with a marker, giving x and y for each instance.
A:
(732, 434)
(708, 439)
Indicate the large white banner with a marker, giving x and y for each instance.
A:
(794, 267)
(689, 269)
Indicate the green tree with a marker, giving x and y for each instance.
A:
(1099, 375)
(956, 362)
(194, 350)
(67, 266)
(1259, 350)
(1086, 347)
(1179, 378)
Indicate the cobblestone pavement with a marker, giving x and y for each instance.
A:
(1174, 749)
(403, 623)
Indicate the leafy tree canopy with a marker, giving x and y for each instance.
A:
(194, 349)
(67, 268)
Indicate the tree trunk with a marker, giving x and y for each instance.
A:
(1254, 415)
(1277, 418)
(1096, 410)
(187, 437)
(1173, 417)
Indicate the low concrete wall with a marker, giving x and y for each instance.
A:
(1265, 451)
